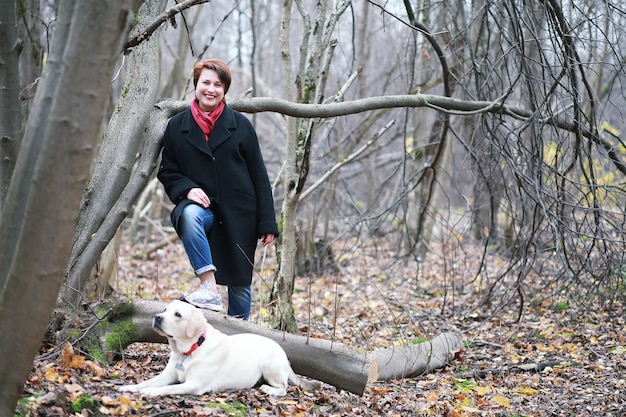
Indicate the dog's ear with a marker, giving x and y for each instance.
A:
(196, 323)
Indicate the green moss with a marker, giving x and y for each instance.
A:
(120, 310)
(419, 340)
(85, 402)
(24, 404)
(281, 220)
(562, 305)
(121, 334)
(234, 409)
(126, 88)
(95, 352)
(102, 310)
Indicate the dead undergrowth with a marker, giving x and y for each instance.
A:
(556, 359)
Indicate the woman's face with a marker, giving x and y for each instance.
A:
(209, 90)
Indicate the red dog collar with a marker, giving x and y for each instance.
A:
(196, 345)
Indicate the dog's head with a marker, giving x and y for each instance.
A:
(180, 322)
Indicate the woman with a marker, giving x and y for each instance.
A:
(213, 171)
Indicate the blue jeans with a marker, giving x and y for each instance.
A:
(193, 229)
(239, 300)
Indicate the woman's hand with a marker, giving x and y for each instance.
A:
(199, 196)
(267, 239)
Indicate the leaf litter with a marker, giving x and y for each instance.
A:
(558, 360)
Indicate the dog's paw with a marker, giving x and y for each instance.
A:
(151, 392)
(128, 388)
(275, 391)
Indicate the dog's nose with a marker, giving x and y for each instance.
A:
(158, 319)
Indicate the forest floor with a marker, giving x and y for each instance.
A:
(559, 359)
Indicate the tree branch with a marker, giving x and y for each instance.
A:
(345, 161)
(440, 103)
(167, 15)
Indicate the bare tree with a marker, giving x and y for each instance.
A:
(309, 82)
(539, 186)
(117, 157)
(51, 173)
(10, 114)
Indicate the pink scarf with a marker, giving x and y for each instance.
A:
(206, 121)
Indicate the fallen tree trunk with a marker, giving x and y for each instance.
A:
(412, 360)
(320, 359)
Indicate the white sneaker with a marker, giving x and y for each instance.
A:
(203, 297)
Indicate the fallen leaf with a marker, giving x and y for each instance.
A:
(66, 355)
(51, 374)
(431, 396)
(77, 362)
(94, 368)
(287, 402)
(527, 390)
(453, 413)
(73, 388)
(110, 401)
(481, 390)
(502, 401)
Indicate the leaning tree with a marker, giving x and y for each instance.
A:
(42, 200)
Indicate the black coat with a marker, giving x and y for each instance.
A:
(230, 170)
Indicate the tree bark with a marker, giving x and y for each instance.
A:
(316, 55)
(413, 360)
(137, 126)
(117, 155)
(282, 288)
(320, 359)
(146, 164)
(10, 113)
(37, 223)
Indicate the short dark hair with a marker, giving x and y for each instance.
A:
(219, 66)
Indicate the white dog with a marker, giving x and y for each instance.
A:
(203, 359)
